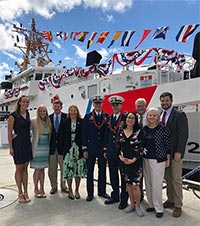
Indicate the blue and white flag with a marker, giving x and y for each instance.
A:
(126, 38)
(59, 35)
(160, 32)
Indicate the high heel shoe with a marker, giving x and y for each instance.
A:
(26, 198)
(21, 198)
(71, 195)
(77, 195)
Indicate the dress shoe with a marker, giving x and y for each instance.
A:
(150, 209)
(71, 197)
(168, 205)
(122, 205)
(104, 195)
(111, 201)
(89, 198)
(159, 215)
(177, 212)
(53, 191)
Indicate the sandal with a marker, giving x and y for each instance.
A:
(26, 198)
(37, 194)
(77, 195)
(43, 195)
(21, 198)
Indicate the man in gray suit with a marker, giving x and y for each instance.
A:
(177, 123)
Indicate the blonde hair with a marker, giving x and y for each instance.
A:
(39, 120)
(78, 112)
(158, 113)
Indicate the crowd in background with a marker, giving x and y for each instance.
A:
(147, 144)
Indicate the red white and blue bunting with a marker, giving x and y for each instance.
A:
(9, 93)
(162, 57)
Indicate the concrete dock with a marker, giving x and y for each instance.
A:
(59, 210)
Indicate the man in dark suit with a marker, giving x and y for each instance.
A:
(57, 145)
(116, 121)
(94, 128)
(177, 123)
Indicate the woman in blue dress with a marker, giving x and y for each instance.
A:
(41, 131)
(20, 145)
(74, 164)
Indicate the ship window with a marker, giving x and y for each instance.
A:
(47, 75)
(104, 90)
(72, 96)
(30, 78)
(6, 107)
(30, 109)
(92, 90)
(38, 76)
(35, 109)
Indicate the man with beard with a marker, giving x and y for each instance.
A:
(177, 123)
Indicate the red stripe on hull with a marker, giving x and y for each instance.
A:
(130, 97)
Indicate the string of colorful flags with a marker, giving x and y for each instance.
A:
(182, 36)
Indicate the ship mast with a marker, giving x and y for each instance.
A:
(35, 47)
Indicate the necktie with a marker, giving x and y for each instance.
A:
(56, 124)
(141, 121)
(114, 120)
(163, 117)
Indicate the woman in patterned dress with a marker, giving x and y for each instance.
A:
(41, 130)
(20, 145)
(156, 157)
(74, 164)
(130, 144)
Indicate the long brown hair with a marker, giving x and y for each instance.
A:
(78, 112)
(18, 106)
(39, 120)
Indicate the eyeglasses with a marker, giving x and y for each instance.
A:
(132, 118)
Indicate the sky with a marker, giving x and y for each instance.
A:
(94, 15)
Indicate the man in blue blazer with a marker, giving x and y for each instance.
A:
(57, 145)
(177, 123)
(93, 141)
(115, 122)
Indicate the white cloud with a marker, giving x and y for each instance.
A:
(57, 45)
(80, 52)
(10, 55)
(4, 70)
(12, 9)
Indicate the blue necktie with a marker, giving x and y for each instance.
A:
(56, 124)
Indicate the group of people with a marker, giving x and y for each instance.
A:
(147, 143)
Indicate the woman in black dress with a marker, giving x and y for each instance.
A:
(20, 145)
(130, 147)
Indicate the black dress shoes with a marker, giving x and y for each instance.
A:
(150, 209)
(111, 201)
(159, 215)
(122, 205)
(53, 191)
(104, 195)
(89, 198)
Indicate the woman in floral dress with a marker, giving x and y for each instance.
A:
(130, 148)
(74, 163)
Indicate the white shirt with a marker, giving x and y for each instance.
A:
(117, 115)
(168, 112)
